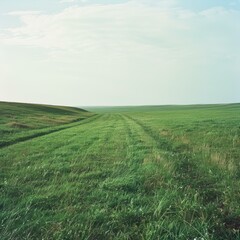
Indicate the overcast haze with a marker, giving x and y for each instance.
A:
(120, 52)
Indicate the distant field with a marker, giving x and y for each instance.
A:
(151, 172)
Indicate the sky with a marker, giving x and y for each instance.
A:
(120, 52)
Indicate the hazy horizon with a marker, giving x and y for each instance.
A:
(119, 106)
(120, 53)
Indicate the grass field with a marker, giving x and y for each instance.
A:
(21, 121)
(170, 172)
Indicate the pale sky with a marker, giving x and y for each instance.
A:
(121, 52)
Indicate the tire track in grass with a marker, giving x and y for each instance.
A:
(150, 143)
(116, 196)
(185, 162)
(160, 142)
(115, 193)
(132, 206)
(175, 185)
(151, 185)
(196, 178)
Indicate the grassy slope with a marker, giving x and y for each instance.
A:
(167, 173)
(21, 121)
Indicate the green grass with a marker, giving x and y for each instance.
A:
(21, 121)
(169, 172)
